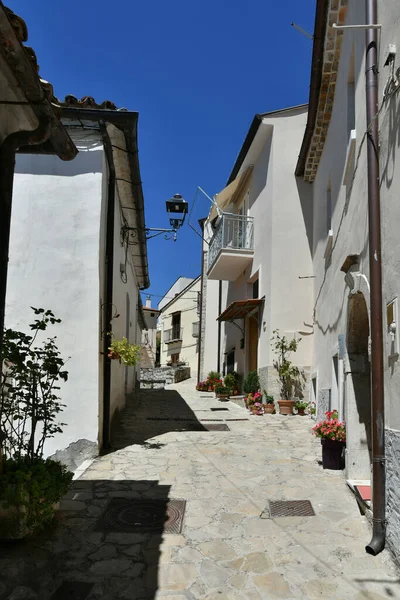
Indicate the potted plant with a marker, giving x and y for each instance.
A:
(253, 399)
(30, 485)
(333, 440)
(251, 383)
(257, 409)
(290, 377)
(122, 350)
(221, 391)
(301, 406)
(268, 405)
(213, 378)
(230, 382)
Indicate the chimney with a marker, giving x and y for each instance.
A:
(148, 301)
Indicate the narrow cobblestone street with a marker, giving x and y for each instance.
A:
(225, 550)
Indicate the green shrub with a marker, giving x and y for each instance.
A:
(267, 398)
(251, 383)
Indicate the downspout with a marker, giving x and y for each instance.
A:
(377, 542)
(200, 346)
(108, 291)
(7, 165)
(219, 326)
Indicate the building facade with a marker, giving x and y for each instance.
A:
(333, 160)
(257, 259)
(72, 251)
(149, 336)
(179, 323)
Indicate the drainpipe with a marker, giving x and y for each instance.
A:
(108, 290)
(200, 343)
(377, 542)
(7, 165)
(219, 326)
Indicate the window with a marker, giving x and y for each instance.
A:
(392, 324)
(176, 326)
(230, 361)
(255, 289)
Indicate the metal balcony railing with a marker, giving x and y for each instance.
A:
(195, 329)
(175, 333)
(233, 232)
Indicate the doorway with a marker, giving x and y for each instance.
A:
(358, 391)
(252, 343)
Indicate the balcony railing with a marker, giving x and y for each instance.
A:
(233, 232)
(195, 329)
(174, 334)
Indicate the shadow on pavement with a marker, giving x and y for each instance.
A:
(157, 412)
(104, 544)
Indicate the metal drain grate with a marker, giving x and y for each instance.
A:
(207, 420)
(142, 516)
(72, 590)
(219, 408)
(236, 419)
(216, 427)
(290, 508)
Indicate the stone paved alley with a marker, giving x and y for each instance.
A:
(225, 550)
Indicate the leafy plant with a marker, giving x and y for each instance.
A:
(291, 377)
(230, 381)
(331, 428)
(267, 398)
(221, 389)
(29, 404)
(213, 375)
(31, 490)
(253, 398)
(251, 383)
(301, 404)
(126, 352)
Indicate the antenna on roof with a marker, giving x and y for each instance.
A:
(302, 30)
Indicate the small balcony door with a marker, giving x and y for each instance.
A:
(252, 343)
(176, 326)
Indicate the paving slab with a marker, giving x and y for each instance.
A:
(225, 549)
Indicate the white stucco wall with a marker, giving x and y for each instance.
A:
(54, 264)
(187, 305)
(149, 337)
(350, 234)
(175, 288)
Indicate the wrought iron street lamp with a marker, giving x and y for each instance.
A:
(176, 206)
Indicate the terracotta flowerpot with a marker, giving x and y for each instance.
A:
(286, 407)
(332, 454)
(269, 408)
(300, 411)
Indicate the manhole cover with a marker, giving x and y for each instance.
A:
(72, 590)
(216, 427)
(219, 408)
(290, 508)
(142, 516)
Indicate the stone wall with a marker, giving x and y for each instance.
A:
(392, 442)
(159, 377)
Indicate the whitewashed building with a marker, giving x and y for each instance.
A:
(256, 256)
(78, 248)
(149, 336)
(333, 163)
(179, 324)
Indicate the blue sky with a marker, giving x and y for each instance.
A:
(197, 72)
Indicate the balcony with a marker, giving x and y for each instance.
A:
(231, 249)
(173, 335)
